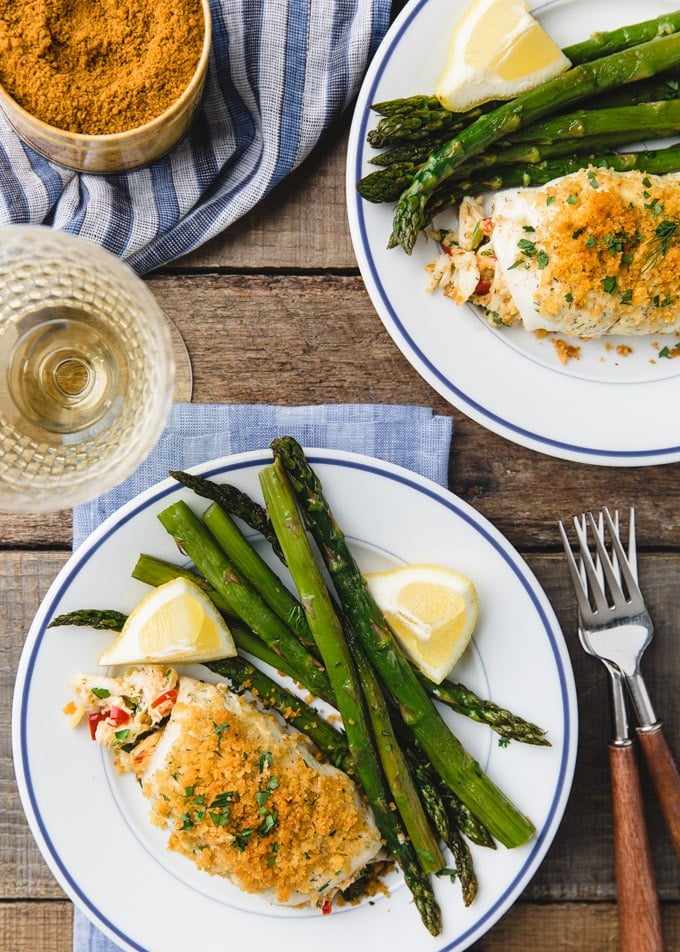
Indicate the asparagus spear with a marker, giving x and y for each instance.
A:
(649, 120)
(463, 701)
(245, 677)
(242, 600)
(446, 827)
(582, 131)
(613, 125)
(232, 500)
(396, 768)
(638, 62)
(102, 619)
(328, 632)
(464, 868)
(410, 136)
(406, 104)
(453, 763)
(253, 567)
(612, 41)
(154, 571)
(422, 123)
(657, 162)
(600, 44)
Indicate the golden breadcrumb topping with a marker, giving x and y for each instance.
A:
(611, 244)
(246, 804)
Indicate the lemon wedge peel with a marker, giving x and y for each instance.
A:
(175, 622)
(496, 51)
(432, 611)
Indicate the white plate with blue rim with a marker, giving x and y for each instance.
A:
(616, 404)
(92, 824)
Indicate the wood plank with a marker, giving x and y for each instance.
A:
(579, 864)
(297, 339)
(29, 927)
(302, 224)
(36, 926)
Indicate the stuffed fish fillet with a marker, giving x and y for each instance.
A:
(593, 253)
(245, 799)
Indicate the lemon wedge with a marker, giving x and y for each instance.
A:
(175, 622)
(432, 611)
(497, 50)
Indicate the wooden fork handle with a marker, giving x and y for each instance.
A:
(665, 775)
(638, 901)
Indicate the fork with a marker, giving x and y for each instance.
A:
(621, 736)
(639, 913)
(618, 629)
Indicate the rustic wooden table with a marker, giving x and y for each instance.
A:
(275, 311)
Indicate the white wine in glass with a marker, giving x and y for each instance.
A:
(86, 369)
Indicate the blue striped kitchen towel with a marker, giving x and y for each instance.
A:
(413, 437)
(280, 73)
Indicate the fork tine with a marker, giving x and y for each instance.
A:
(632, 544)
(624, 566)
(595, 586)
(580, 585)
(612, 577)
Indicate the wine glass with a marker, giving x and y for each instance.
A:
(87, 369)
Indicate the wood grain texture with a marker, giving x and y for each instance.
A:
(577, 927)
(302, 225)
(296, 339)
(579, 865)
(275, 311)
(637, 897)
(663, 769)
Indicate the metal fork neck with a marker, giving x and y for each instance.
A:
(644, 711)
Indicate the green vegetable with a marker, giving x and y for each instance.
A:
(638, 62)
(242, 600)
(452, 762)
(232, 500)
(335, 651)
(658, 162)
(253, 567)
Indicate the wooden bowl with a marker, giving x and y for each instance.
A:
(120, 151)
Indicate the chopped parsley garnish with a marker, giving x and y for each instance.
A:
(268, 824)
(571, 199)
(569, 297)
(241, 839)
(609, 284)
(219, 730)
(529, 249)
(101, 692)
(665, 232)
(477, 236)
(261, 797)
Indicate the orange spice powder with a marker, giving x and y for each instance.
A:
(98, 66)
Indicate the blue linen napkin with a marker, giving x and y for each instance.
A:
(410, 436)
(280, 74)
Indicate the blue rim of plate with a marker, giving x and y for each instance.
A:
(422, 485)
(445, 386)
